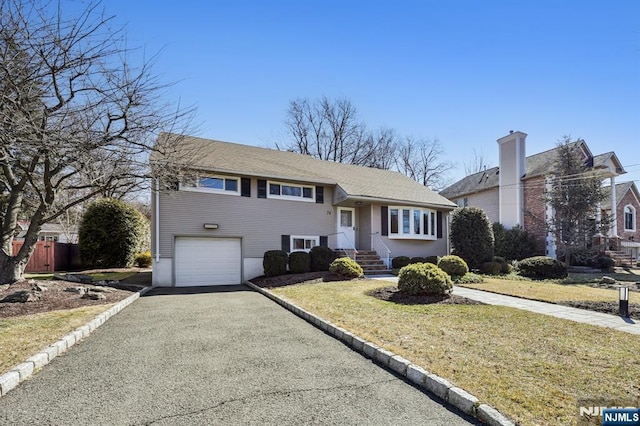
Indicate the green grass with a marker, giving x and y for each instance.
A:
(546, 291)
(529, 366)
(23, 336)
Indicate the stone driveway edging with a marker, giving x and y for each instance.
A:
(24, 370)
(431, 383)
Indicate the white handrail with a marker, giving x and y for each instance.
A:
(350, 250)
(381, 248)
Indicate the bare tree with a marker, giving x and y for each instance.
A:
(478, 163)
(420, 159)
(77, 117)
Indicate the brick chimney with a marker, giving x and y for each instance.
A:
(512, 169)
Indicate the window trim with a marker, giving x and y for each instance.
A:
(314, 238)
(301, 197)
(427, 233)
(198, 188)
(633, 213)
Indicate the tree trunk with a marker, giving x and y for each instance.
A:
(11, 270)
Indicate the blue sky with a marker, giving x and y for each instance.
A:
(464, 72)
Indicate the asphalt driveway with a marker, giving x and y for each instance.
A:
(216, 356)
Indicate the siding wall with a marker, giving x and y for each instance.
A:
(489, 201)
(259, 221)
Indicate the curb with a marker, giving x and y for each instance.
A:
(31, 365)
(431, 383)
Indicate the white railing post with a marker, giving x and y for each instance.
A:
(381, 248)
(350, 250)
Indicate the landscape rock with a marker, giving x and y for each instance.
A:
(102, 290)
(84, 279)
(79, 290)
(94, 296)
(607, 280)
(66, 277)
(22, 296)
(38, 287)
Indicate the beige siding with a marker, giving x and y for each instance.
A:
(259, 221)
(488, 201)
(411, 248)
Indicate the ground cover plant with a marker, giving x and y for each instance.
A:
(527, 365)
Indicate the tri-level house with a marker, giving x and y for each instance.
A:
(213, 225)
(513, 194)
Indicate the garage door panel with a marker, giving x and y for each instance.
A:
(207, 261)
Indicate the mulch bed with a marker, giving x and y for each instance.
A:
(291, 279)
(604, 307)
(392, 294)
(55, 297)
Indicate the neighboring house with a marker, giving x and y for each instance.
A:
(513, 193)
(51, 232)
(214, 226)
(627, 199)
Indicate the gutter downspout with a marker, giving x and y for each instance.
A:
(157, 221)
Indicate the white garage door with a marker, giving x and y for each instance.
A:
(207, 261)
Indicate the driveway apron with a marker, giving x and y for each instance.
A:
(223, 355)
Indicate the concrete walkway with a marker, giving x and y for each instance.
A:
(214, 356)
(626, 325)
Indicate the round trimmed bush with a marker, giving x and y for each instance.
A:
(346, 267)
(542, 267)
(424, 278)
(417, 259)
(299, 262)
(143, 260)
(111, 234)
(432, 259)
(603, 262)
(274, 263)
(400, 262)
(492, 268)
(453, 265)
(321, 258)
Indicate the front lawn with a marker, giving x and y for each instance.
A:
(531, 367)
(23, 336)
(546, 291)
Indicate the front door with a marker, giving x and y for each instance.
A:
(346, 228)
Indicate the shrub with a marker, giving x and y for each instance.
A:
(143, 260)
(470, 278)
(424, 278)
(274, 263)
(400, 262)
(417, 259)
(492, 268)
(111, 234)
(542, 267)
(321, 258)
(346, 267)
(603, 262)
(514, 243)
(299, 262)
(472, 236)
(505, 267)
(432, 259)
(453, 265)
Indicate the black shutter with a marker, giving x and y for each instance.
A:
(245, 187)
(319, 194)
(286, 243)
(324, 241)
(439, 223)
(262, 188)
(384, 213)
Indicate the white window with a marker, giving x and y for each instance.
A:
(212, 183)
(462, 202)
(290, 191)
(304, 243)
(412, 223)
(629, 218)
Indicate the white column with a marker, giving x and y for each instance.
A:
(613, 232)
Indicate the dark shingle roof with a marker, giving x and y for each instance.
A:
(476, 182)
(621, 190)
(355, 181)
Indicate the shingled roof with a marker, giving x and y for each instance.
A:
(621, 190)
(356, 181)
(536, 165)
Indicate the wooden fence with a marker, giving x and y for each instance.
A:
(50, 256)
